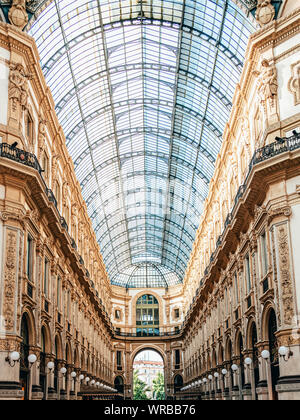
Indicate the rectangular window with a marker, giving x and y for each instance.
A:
(176, 313)
(119, 358)
(45, 165)
(138, 317)
(236, 289)
(46, 277)
(29, 257)
(29, 128)
(177, 357)
(264, 254)
(117, 314)
(247, 274)
(57, 194)
(58, 293)
(68, 305)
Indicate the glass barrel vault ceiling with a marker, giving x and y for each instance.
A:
(143, 91)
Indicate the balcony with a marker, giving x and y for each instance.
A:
(140, 335)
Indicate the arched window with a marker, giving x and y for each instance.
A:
(147, 316)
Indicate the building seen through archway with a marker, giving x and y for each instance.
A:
(149, 199)
(148, 376)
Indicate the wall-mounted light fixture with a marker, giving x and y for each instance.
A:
(13, 358)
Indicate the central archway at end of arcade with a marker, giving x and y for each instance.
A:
(148, 347)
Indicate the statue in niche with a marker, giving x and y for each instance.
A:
(17, 14)
(42, 136)
(18, 86)
(267, 90)
(55, 160)
(265, 12)
(267, 81)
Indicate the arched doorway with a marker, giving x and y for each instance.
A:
(254, 350)
(275, 373)
(228, 385)
(119, 384)
(148, 376)
(178, 383)
(241, 361)
(44, 349)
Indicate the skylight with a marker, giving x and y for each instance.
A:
(143, 91)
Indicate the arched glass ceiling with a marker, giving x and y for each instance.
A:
(147, 275)
(143, 90)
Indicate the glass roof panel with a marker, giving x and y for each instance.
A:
(143, 103)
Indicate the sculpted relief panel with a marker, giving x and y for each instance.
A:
(10, 281)
(287, 294)
(294, 82)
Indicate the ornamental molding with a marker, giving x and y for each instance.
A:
(274, 34)
(17, 216)
(280, 211)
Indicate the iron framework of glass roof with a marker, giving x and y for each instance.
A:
(143, 90)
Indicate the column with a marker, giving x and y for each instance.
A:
(11, 256)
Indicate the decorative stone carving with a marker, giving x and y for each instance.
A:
(285, 276)
(267, 90)
(265, 12)
(17, 14)
(42, 137)
(55, 160)
(8, 215)
(246, 134)
(9, 288)
(281, 211)
(33, 215)
(18, 86)
(65, 191)
(267, 81)
(294, 82)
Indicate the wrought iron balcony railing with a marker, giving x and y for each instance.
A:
(135, 335)
(20, 156)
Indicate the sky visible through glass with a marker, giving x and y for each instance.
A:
(146, 91)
